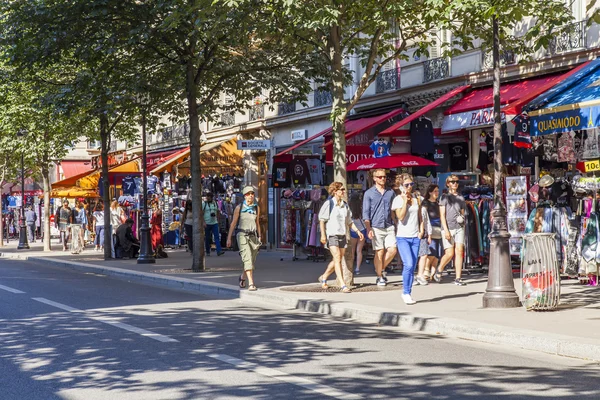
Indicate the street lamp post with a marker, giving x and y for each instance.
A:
(146, 256)
(23, 243)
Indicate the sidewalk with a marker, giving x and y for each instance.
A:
(573, 330)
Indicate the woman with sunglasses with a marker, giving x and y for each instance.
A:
(452, 216)
(247, 230)
(410, 230)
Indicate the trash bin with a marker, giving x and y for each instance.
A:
(540, 276)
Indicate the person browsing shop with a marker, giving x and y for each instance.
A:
(377, 216)
(335, 218)
(452, 216)
(211, 224)
(407, 207)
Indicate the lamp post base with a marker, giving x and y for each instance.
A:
(23, 243)
(146, 256)
(500, 291)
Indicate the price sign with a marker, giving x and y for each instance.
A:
(592, 166)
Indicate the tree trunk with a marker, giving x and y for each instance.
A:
(46, 222)
(198, 217)
(104, 136)
(338, 109)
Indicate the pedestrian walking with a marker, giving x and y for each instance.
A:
(428, 263)
(377, 205)
(452, 215)
(335, 219)
(188, 224)
(211, 224)
(356, 243)
(247, 229)
(77, 243)
(410, 230)
(64, 218)
(30, 220)
(99, 226)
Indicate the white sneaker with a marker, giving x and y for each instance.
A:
(422, 281)
(380, 282)
(408, 300)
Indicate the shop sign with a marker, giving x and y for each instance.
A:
(299, 135)
(470, 120)
(591, 166)
(564, 121)
(28, 192)
(113, 159)
(253, 144)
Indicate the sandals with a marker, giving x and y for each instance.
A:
(242, 282)
(323, 283)
(437, 277)
(345, 289)
(252, 288)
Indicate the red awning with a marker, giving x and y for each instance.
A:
(393, 130)
(389, 162)
(371, 125)
(72, 168)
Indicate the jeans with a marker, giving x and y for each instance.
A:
(214, 229)
(99, 236)
(31, 231)
(189, 231)
(408, 248)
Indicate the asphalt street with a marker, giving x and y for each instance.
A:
(71, 335)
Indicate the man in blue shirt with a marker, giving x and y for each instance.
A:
(377, 214)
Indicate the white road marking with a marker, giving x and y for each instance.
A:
(10, 289)
(109, 321)
(285, 377)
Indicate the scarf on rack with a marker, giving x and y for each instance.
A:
(251, 209)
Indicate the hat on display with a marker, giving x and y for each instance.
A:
(247, 189)
(546, 181)
(315, 195)
(534, 193)
(288, 193)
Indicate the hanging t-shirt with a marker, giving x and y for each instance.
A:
(152, 184)
(315, 169)
(510, 153)
(441, 156)
(483, 152)
(139, 183)
(550, 152)
(590, 144)
(381, 148)
(362, 178)
(421, 136)
(281, 175)
(489, 140)
(459, 154)
(166, 180)
(566, 148)
(522, 137)
(578, 145)
(300, 174)
(128, 185)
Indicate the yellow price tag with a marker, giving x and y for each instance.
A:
(592, 166)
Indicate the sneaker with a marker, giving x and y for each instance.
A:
(408, 300)
(384, 277)
(380, 282)
(220, 253)
(459, 282)
(437, 276)
(422, 281)
(357, 271)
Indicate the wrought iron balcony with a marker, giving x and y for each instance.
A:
(388, 80)
(506, 58)
(323, 98)
(256, 112)
(227, 118)
(571, 37)
(436, 68)
(286, 108)
(175, 132)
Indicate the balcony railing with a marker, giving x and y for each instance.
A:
(286, 108)
(388, 80)
(175, 132)
(506, 58)
(571, 37)
(256, 112)
(436, 68)
(323, 98)
(227, 118)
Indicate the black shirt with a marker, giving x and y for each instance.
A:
(421, 136)
(459, 154)
(281, 175)
(300, 172)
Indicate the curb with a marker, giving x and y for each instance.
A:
(562, 345)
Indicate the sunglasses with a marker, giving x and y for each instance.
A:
(452, 181)
(379, 177)
(342, 189)
(409, 184)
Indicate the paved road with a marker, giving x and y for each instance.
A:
(71, 335)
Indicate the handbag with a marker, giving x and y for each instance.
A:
(436, 232)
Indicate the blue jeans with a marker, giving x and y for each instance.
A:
(214, 229)
(409, 250)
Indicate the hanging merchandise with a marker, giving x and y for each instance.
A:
(281, 175)
(421, 136)
(315, 170)
(566, 148)
(517, 210)
(299, 172)
(590, 144)
(539, 273)
(459, 154)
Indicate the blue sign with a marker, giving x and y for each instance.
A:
(565, 121)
